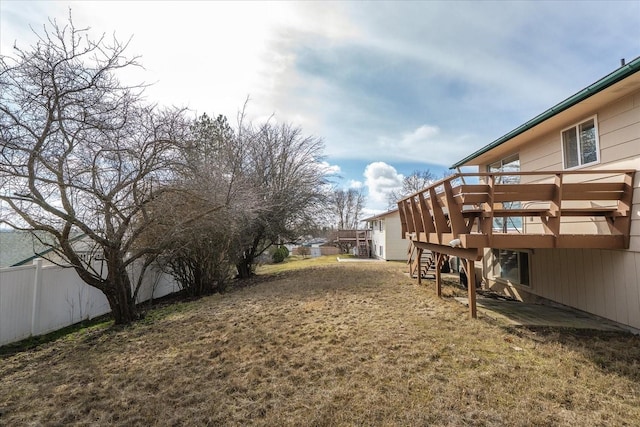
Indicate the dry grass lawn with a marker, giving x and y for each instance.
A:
(324, 344)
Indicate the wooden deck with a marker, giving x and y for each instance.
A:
(466, 213)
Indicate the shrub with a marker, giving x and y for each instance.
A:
(279, 255)
(304, 251)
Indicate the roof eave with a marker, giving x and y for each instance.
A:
(602, 84)
(381, 215)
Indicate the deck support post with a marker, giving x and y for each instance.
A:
(471, 287)
(419, 254)
(438, 259)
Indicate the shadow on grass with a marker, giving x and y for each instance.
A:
(616, 352)
(91, 330)
(94, 326)
(609, 351)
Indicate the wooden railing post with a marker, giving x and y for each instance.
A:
(403, 218)
(427, 219)
(458, 225)
(417, 217)
(439, 219)
(622, 222)
(487, 220)
(409, 217)
(551, 223)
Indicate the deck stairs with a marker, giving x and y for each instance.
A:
(363, 250)
(426, 264)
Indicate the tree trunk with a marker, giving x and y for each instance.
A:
(245, 268)
(245, 265)
(122, 308)
(119, 295)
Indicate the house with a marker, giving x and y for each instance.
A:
(357, 242)
(19, 247)
(553, 212)
(386, 239)
(313, 247)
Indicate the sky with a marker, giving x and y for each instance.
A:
(390, 87)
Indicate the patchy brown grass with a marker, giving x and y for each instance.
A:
(325, 344)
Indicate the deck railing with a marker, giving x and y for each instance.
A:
(575, 209)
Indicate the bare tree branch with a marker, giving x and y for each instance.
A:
(81, 155)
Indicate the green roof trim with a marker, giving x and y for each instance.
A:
(37, 255)
(610, 79)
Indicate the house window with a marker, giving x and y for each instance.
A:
(580, 144)
(508, 164)
(381, 251)
(380, 225)
(512, 266)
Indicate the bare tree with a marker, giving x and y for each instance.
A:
(283, 169)
(413, 183)
(196, 236)
(81, 155)
(257, 185)
(201, 223)
(346, 207)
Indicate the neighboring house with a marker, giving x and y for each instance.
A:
(314, 247)
(386, 240)
(553, 211)
(17, 246)
(357, 242)
(22, 247)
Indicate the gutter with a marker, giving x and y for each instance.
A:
(609, 80)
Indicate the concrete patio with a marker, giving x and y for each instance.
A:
(527, 314)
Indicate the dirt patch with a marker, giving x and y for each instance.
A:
(335, 344)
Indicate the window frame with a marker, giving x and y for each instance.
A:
(575, 127)
(520, 253)
(509, 161)
(499, 165)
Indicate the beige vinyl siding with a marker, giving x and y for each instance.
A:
(619, 128)
(543, 155)
(602, 282)
(619, 138)
(634, 234)
(620, 153)
(619, 107)
(597, 281)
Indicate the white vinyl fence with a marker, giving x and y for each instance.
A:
(37, 299)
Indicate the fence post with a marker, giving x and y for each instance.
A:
(37, 290)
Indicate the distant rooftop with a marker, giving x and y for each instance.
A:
(16, 246)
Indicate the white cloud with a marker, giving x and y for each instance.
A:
(425, 82)
(367, 212)
(208, 56)
(355, 184)
(426, 143)
(422, 133)
(328, 168)
(381, 179)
